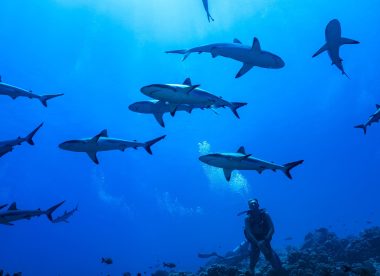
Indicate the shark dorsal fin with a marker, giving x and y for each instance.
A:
(187, 81)
(256, 45)
(13, 207)
(241, 150)
(237, 41)
(103, 133)
(378, 106)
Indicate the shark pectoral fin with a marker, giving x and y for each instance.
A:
(227, 174)
(92, 155)
(241, 150)
(345, 40)
(191, 88)
(5, 222)
(244, 69)
(213, 53)
(173, 110)
(159, 119)
(256, 45)
(187, 81)
(321, 50)
(237, 41)
(246, 156)
(13, 97)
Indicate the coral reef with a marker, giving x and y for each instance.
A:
(323, 253)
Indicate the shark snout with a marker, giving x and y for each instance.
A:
(279, 62)
(148, 90)
(205, 159)
(134, 107)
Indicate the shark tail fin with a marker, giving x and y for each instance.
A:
(147, 145)
(45, 98)
(289, 166)
(50, 211)
(30, 136)
(235, 106)
(185, 53)
(364, 127)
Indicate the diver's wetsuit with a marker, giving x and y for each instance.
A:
(259, 230)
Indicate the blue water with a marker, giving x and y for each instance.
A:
(142, 210)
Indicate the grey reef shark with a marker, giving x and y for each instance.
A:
(158, 109)
(177, 95)
(240, 160)
(250, 56)
(7, 145)
(13, 214)
(205, 6)
(334, 40)
(65, 216)
(101, 142)
(15, 92)
(374, 118)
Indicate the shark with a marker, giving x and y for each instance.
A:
(187, 93)
(15, 92)
(7, 145)
(205, 6)
(374, 118)
(243, 161)
(157, 109)
(334, 40)
(13, 214)
(250, 56)
(65, 216)
(101, 142)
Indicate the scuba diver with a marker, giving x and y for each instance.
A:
(258, 231)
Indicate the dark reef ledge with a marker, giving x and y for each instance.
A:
(321, 254)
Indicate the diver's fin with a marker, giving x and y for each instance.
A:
(227, 174)
(237, 41)
(345, 40)
(321, 50)
(256, 45)
(244, 69)
(92, 155)
(150, 143)
(241, 150)
(187, 81)
(103, 133)
(289, 166)
(159, 118)
(13, 207)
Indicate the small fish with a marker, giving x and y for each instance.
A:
(169, 265)
(107, 261)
